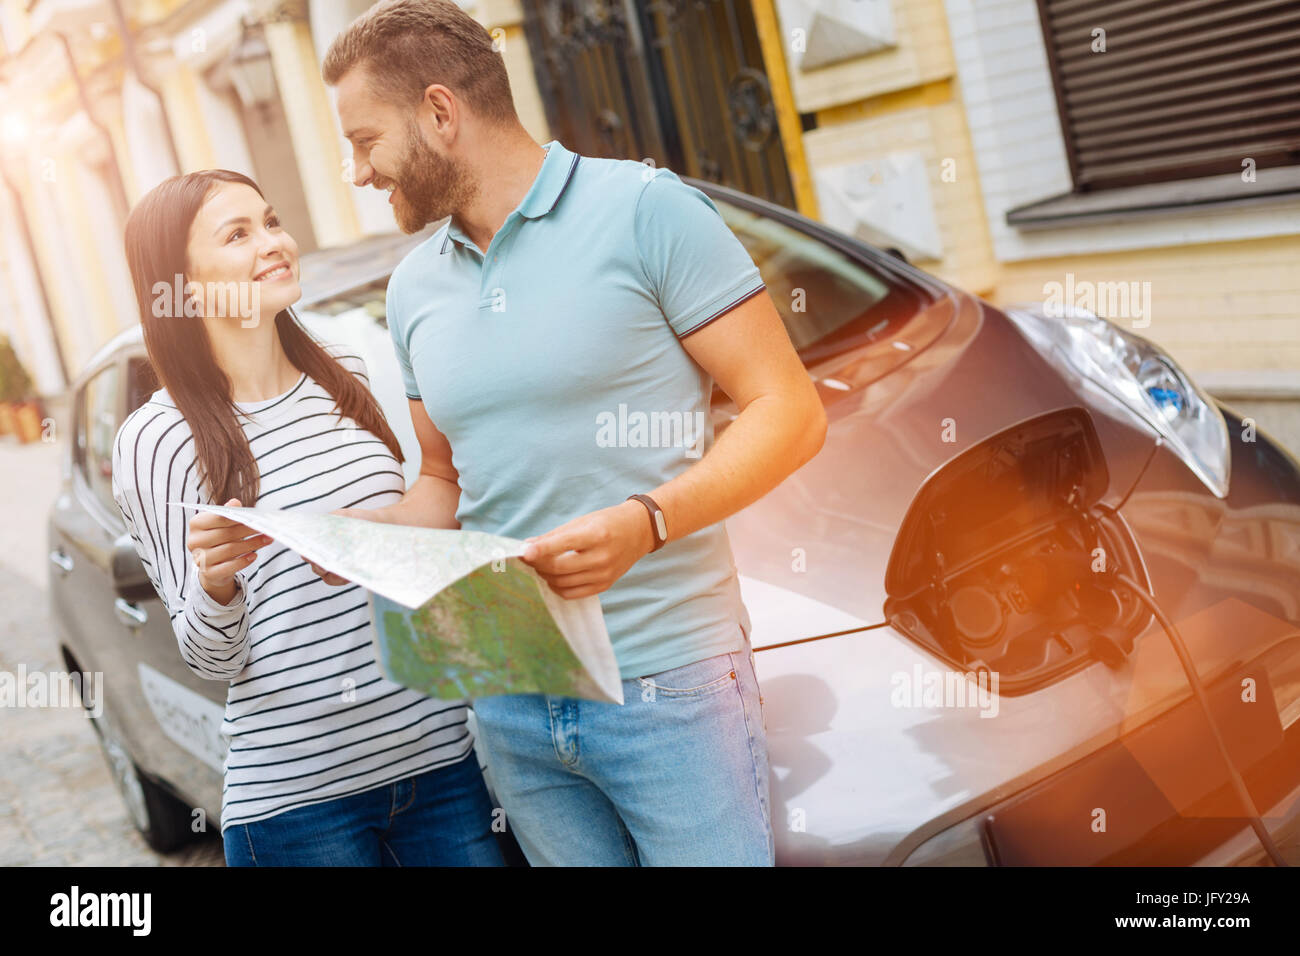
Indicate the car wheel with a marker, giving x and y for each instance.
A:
(162, 820)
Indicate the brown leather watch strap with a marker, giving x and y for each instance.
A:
(658, 524)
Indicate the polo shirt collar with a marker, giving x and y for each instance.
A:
(542, 197)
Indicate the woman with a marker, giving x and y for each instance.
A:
(329, 763)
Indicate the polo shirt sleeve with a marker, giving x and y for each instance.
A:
(397, 332)
(691, 259)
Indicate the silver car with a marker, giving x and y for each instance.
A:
(956, 605)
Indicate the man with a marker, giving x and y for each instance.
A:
(567, 292)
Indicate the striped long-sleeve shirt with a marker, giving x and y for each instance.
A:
(308, 714)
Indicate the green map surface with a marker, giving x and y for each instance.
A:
(489, 633)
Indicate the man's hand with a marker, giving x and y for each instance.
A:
(430, 502)
(367, 514)
(588, 554)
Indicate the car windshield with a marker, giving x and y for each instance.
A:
(819, 290)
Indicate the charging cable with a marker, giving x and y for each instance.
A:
(1189, 669)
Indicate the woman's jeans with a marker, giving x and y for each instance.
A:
(677, 776)
(442, 817)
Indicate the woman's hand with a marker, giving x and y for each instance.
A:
(221, 547)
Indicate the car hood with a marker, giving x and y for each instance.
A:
(812, 553)
(863, 769)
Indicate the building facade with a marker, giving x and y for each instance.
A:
(1021, 149)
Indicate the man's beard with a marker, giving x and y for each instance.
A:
(430, 186)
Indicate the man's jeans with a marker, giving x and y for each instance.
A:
(677, 776)
(442, 817)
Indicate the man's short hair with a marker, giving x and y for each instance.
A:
(405, 46)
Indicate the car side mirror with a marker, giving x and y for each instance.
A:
(130, 579)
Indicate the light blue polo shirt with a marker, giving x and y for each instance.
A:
(553, 365)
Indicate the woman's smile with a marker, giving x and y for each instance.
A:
(274, 273)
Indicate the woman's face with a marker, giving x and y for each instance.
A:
(240, 263)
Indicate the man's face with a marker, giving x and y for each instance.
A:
(390, 152)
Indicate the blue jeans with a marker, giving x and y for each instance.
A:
(442, 817)
(677, 776)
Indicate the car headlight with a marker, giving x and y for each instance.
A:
(1143, 378)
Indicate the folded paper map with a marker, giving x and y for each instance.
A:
(457, 614)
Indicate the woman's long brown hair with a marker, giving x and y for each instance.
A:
(157, 233)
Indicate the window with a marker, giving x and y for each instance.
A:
(1157, 91)
(98, 419)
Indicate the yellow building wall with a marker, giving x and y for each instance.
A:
(115, 123)
(1220, 306)
(151, 11)
(771, 40)
(1214, 306)
(938, 133)
(903, 99)
(82, 316)
(103, 321)
(16, 16)
(307, 110)
(181, 101)
(523, 83)
(504, 20)
(922, 53)
(70, 326)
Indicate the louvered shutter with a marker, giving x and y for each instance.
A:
(1185, 88)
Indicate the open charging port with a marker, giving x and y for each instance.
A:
(999, 562)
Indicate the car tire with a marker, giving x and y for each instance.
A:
(161, 819)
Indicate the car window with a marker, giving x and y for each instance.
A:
(818, 289)
(97, 424)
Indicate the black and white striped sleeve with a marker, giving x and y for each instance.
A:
(153, 464)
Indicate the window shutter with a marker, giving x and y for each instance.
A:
(1185, 88)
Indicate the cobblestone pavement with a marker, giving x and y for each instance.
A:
(58, 804)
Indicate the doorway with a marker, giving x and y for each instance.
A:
(681, 82)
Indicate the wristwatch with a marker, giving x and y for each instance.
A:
(658, 527)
